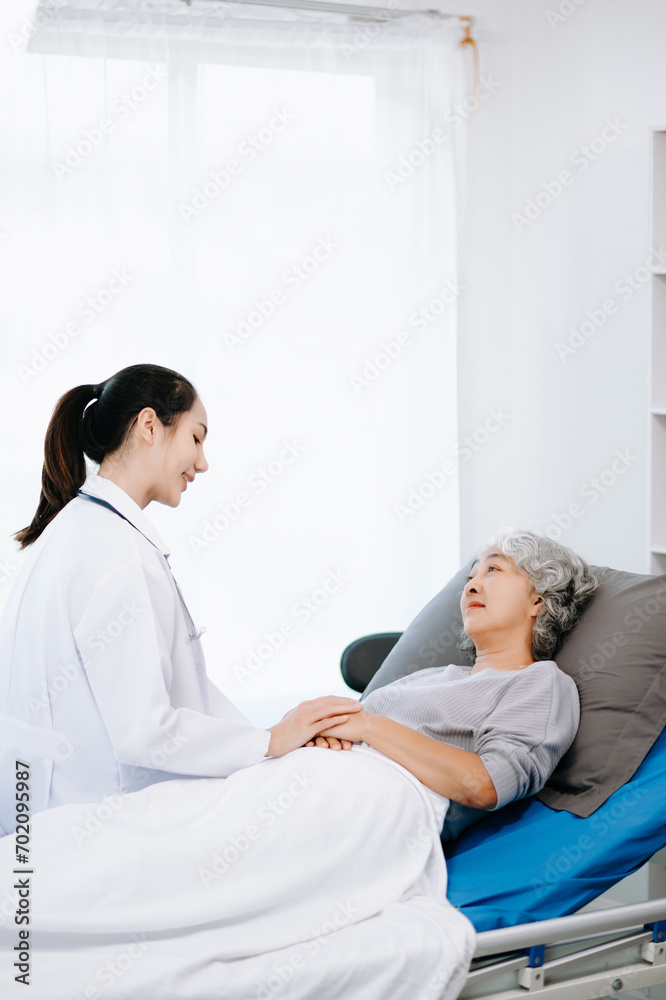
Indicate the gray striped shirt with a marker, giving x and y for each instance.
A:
(519, 722)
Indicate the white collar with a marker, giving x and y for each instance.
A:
(105, 489)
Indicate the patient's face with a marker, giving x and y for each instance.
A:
(499, 602)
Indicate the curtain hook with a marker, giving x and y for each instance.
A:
(467, 39)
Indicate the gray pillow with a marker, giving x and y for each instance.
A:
(430, 640)
(617, 656)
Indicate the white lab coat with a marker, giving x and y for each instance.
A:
(102, 690)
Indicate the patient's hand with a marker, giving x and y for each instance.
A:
(309, 719)
(354, 729)
(329, 743)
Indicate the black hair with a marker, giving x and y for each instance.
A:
(76, 430)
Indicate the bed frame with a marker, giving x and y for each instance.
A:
(596, 952)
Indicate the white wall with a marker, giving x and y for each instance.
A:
(568, 418)
(557, 86)
(561, 69)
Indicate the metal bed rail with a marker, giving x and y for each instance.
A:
(587, 955)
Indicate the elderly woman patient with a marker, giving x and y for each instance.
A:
(484, 742)
(321, 874)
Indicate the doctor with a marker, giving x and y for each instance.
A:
(103, 684)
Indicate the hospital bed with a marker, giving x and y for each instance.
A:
(521, 872)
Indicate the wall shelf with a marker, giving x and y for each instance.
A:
(657, 360)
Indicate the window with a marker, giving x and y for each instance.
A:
(267, 211)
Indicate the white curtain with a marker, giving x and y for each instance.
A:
(264, 200)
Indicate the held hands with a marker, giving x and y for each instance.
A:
(329, 743)
(302, 724)
(342, 735)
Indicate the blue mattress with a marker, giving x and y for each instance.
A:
(529, 862)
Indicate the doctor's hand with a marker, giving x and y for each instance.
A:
(307, 720)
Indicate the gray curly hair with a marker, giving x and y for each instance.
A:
(564, 580)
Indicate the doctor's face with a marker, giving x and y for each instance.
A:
(184, 454)
(499, 602)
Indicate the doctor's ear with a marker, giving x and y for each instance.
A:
(146, 422)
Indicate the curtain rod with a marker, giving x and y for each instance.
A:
(354, 10)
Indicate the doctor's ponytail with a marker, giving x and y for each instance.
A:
(94, 421)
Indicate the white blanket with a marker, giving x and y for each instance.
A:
(315, 876)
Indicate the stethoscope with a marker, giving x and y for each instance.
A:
(192, 631)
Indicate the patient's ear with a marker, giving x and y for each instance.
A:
(537, 605)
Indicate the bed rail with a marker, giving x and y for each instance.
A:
(588, 955)
(580, 925)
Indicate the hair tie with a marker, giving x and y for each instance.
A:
(95, 398)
